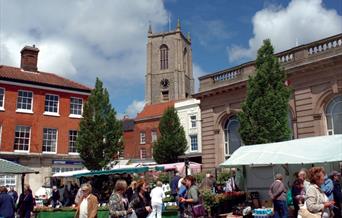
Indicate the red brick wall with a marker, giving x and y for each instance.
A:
(132, 144)
(9, 119)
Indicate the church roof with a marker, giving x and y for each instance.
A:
(14, 74)
(154, 110)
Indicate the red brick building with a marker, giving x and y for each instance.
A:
(39, 119)
(141, 132)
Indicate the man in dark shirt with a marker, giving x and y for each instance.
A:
(174, 184)
(335, 177)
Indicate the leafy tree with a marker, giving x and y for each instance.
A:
(264, 116)
(172, 141)
(99, 138)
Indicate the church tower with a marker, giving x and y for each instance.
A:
(169, 66)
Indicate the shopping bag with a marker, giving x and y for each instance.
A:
(132, 215)
(305, 213)
(198, 210)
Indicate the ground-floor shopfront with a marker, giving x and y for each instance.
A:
(47, 165)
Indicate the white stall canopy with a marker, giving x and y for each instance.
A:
(320, 149)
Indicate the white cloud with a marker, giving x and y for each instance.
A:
(132, 109)
(302, 20)
(82, 39)
(198, 72)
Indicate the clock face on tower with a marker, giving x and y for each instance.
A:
(164, 83)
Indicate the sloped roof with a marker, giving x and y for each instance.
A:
(154, 110)
(128, 125)
(8, 167)
(15, 74)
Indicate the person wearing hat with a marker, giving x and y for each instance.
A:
(335, 177)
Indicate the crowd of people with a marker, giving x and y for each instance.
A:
(9, 205)
(314, 192)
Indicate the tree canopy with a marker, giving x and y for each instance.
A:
(264, 116)
(172, 142)
(100, 135)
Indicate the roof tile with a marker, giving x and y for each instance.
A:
(39, 78)
(154, 110)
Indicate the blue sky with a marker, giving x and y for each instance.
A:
(85, 39)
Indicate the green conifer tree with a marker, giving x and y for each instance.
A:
(172, 141)
(100, 135)
(264, 116)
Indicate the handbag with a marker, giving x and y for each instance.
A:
(198, 210)
(305, 213)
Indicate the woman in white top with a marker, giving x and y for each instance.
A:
(157, 195)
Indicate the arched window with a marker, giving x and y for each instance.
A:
(164, 57)
(232, 139)
(333, 115)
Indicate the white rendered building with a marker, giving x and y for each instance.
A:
(189, 114)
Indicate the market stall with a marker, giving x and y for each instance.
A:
(261, 162)
(320, 149)
(8, 167)
(179, 167)
(103, 182)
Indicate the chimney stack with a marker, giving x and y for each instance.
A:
(29, 58)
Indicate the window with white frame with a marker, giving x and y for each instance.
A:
(193, 122)
(72, 141)
(143, 153)
(142, 138)
(76, 106)
(333, 114)
(24, 100)
(2, 98)
(22, 138)
(194, 143)
(7, 180)
(154, 135)
(49, 140)
(51, 103)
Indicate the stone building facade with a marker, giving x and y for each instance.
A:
(169, 79)
(39, 119)
(314, 72)
(169, 67)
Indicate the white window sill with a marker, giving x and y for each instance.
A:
(2, 109)
(74, 153)
(21, 151)
(51, 114)
(75, 116)
(48, 152)
(24, 111)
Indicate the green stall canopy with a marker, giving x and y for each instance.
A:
(111, 172)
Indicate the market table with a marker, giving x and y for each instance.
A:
(68, 214)
(100, 214)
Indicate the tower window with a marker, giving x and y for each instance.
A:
(164, 57)
(165, 95)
